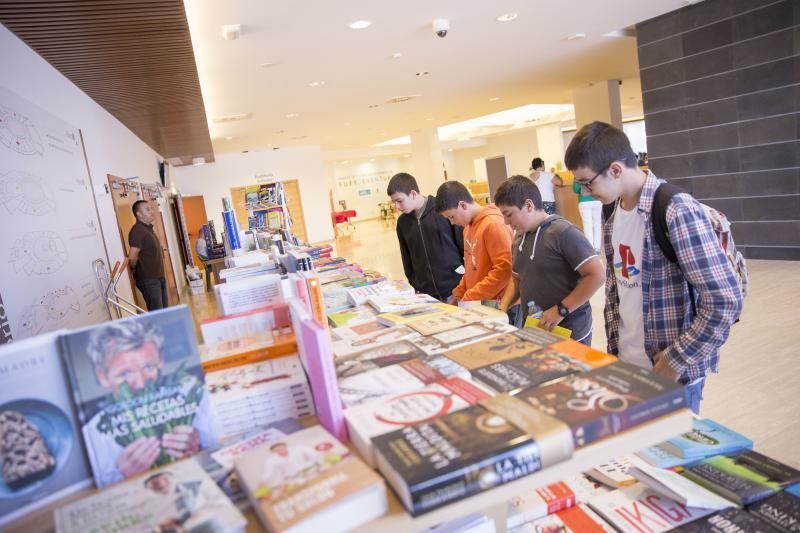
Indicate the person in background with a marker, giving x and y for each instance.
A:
(591, 214)
(431, 248)
(544, 180)
(555, 270)
(201, 247)
(648, 313)
(145, 258)
(487, 244)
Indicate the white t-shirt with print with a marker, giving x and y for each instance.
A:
(628, 241)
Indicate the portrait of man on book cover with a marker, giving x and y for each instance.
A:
(140, 393)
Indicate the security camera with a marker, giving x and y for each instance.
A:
(440, 27)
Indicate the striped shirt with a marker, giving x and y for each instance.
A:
(690, 344)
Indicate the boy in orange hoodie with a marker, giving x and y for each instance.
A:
(487, 244)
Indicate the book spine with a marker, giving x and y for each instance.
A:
(508, 465)
(316, 298)
(271, 352)
(322, 376)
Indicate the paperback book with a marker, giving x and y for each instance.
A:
(727, 521)
(578, 519)
(370, 420)
(607, 400)
(247, 349)
(614, 473)
(408, 376)
(707, 438)
(351, 317)
(310, 482)
(224, 328)
(416, 312)
(350, 343)
(41, 450)
(636, 509)
(449, 340)
(248, 294)
(378, 357)
(456, 319)
(513, 375)
(552, 499)
(462, 453)
(360, 295)
(662, 459)
(676, 487)
(139, 391)
(177, 497)
(492, 350)
(781, 511)
(743, 477)
(389, 303)
(258, 394)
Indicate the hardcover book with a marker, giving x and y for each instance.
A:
(607, 400)
(417, 312)
(310, 482)
(139, 391)
(377, 357)
(493, 350)
(258, 394)
(707, 438)
(448, 340)
(459, 454)
(41, 450)
(177, 497)
(727, 521)
(552, 499)
(578, 519)
(743, 477)
(527, 371)
(781, 511)
(370, 420)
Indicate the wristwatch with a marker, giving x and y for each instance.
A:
(563, 310)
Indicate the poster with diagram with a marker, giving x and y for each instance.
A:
(49, 232)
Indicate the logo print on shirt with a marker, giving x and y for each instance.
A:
(627, 266)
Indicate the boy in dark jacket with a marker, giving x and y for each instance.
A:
(431, 248)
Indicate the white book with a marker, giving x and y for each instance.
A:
(232, 326)
(349, 342)
(248, 294)
(455, 338)
(673, 485)
(396, 303)
(638, 508)
(372, 419)
(551, 499)
(614, 472)
(177, 497)
(249, 259)
(577, 519)
(360, 295)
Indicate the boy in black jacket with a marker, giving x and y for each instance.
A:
(432, 249)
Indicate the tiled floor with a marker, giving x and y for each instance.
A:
(757, 391)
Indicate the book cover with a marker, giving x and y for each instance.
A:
(415, 374)
(322, 377)
(448, 340)
(360, 295)
(577, 519)
(614, 473)
(527, 371)
(352, 317)
(607, 400)
(551, 499)
(139, 391)
(727, 521)
(445, 322)
(707, 438)
(781, 511)
(493, 350)
(393, 303)
(662, 459)
(459, 454)
(177, 497)
(676, 487)
(41, 450)
(246, 349)
(248, 294)
(636, 509)
(349, 342)
(318, 309)
(532, 322)
(794, 489)
(258, 394)
(409, 314)
(310, 480)
(377, 357)
(406, 409)
(538, 336)
(224, 328)
(743, 477)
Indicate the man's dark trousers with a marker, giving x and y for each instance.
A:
(154, 291)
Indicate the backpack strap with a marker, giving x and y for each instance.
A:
(608, 210)
(661, 200)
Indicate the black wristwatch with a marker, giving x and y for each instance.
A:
(563, 311)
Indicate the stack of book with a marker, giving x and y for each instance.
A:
(248, 349)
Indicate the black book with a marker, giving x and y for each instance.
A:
(781, 511)
(728, 521)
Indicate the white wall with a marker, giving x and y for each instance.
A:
(111, 148)
(215, 180)
(353, 179)
(519, 148)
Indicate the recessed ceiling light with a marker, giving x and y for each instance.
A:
(231, 32)
(372, 159)
(506, 17)
(576, 36)
(316, 83)
(360, 24)
(449, 149)
(397, 55)
(269, 64)
(406, 155)
(429, 119)
(345, 162)
(229, 137)
(291, 115)
(422, 73)
(494, 98)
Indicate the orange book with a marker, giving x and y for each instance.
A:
(583, 353)
(247, 349)
(316, 298)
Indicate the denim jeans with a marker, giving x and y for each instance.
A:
(154, 292)
(694, 394)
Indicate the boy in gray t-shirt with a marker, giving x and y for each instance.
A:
(555, 269)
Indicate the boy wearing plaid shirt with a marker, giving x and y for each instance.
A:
(649, 315)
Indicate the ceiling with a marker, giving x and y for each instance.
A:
(133, 57)
(285, 47)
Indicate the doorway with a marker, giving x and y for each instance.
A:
(496, 174)
(194, 212)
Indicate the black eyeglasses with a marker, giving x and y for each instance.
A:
(588, 184)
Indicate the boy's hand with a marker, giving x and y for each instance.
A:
(550, 319)
(663, 369)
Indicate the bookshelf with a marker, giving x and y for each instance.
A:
(294, 205)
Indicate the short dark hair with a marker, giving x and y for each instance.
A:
(138, 205)
(597, 145)
(403, 183)
(537, 163)
(516, 191)
(450, 193)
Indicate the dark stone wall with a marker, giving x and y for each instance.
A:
(721, 93)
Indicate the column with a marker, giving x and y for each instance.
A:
(550, 145)
(428, 163)
(600, 101)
